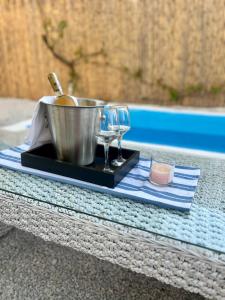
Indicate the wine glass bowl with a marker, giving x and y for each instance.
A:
(106, 131)
(123, 120)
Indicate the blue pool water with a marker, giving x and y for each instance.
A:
(195, 131)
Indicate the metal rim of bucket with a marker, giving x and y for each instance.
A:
(79, 107)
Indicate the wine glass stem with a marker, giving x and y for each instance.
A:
(106, 150)
(119, 148)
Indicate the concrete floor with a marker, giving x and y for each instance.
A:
(13, 111)
(33, 269)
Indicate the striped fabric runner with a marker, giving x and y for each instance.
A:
(135, 185)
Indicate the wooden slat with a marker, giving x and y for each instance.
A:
(181, 42)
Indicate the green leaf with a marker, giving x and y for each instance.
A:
(79, 52)
(193, 89)
(216, 90)
(174, 95)
(62, 25)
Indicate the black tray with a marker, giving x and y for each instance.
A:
(44, 158)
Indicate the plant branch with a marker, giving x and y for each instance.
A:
(58, 56)
(122, 69)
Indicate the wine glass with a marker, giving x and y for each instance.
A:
(106, 131)
(123, 117)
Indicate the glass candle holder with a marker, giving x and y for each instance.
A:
(161, 173)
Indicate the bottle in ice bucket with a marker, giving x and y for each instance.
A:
(61, 98)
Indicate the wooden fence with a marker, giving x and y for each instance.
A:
(179, 44)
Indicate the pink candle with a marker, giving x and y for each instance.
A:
(161, 173)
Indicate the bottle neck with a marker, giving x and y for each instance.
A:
(56, 86)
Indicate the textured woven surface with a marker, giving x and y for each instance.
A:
(193, 268)
(184, 266)
(203, 226)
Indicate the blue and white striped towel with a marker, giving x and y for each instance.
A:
(135, 185)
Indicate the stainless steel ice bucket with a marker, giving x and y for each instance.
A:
(73, 130)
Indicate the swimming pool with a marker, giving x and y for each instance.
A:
(180, 129)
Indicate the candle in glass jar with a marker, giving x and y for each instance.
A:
(161, 173)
